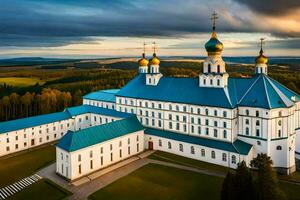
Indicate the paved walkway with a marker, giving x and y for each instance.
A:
(18, 186)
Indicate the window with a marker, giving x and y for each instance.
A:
(247, 112)
(203, 152)
(257, 122)
(79, 158)
(279, 123)
(233, 159)
(91, 164)
(247, 121)
(170, 125)
(213, 154)
(177, 107)
(215, 112)
(257, 113)
(184, 127)
(199, 111)
(218, 82)
(181, 147)
(209, 68)
(169, 145)
(279, 113)
(224, 134)
(257, 133)
(101, 150)
(192, 120)
(192, 150)
(170, 107)
(206, 131)
(128, 141)
(224, 114)
(120, 143)
(159, 143)
(206, 111)
(111, 146)
(215, 133)
(211, 81)
(206, 122)
(224, 157)
(218, 68)
(278, 148)
(177, 126)
(258, 143)
(224, 124)
(120, 153)
(247, 131)
(192, 129)
(199, 130)
(170, 116)
(111, 157)
(215, 123)
(279, 133)
(91, 154)
(79, 169)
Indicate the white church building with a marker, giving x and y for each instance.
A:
(214, 118)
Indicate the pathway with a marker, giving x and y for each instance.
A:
(12, 189)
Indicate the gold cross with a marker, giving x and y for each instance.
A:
(144, 47)
(213, 19)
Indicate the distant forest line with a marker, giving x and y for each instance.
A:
(64, 85)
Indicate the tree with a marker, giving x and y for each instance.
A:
(239, 185)
(266, 181)
(228, 188)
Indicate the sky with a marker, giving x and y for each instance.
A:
(118, 28)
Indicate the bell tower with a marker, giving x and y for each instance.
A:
(154, 75)
(214, 72)
(261, 61)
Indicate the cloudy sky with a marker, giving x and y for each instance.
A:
(96, 28)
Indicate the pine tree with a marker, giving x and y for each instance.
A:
(228, 188)
(244, 182)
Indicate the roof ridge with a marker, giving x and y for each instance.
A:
(249, 89)
(268, 98)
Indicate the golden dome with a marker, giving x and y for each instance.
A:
(261, 59)
(154, 60)
(143, 61)
(214, 46)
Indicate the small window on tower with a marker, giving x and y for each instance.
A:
(209, 68)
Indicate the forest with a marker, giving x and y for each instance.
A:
(60, 85)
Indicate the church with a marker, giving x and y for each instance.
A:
(214, 118)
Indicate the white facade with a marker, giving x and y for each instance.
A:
(73, 165)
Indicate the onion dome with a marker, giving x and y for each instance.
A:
(143, 61)
(261, 59)
(154, 60)
(214, 46)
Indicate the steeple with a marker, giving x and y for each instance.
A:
(154, 75)
(143, 62)
(214, 72)
(261, 61)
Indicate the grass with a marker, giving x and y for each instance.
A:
(172, 158)
(24, 164)
(160, 182)
(20, 81)
(43, 189)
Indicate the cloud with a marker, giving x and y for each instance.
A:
(35, 23)
(272, 7)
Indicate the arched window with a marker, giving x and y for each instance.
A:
(159, 143)
(247, 112)
(224, 157)
(213, 154)
(218, 68)
(198, 110)
(224, 134)
(169, 145)
(247, 131)
(204, 81)
(247, 121)
(215, 112)
(257, 122)
(192, 150)
(279, 123)
(257, 113)
(218, 82)
(211, 81)
(224, 114)
(278, 147)
(279, 133)
(233, 159)
(209, 68)
(206, 111)
(180, 147)
(202, 152)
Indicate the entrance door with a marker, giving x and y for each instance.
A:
(32, 142)
(150, 145)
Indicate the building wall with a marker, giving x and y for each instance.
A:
(23, 139)
(93, 158)
(201, 153)
(102, 104)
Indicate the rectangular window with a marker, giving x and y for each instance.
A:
(91, 164)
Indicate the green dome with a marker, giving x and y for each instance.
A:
(214, 45)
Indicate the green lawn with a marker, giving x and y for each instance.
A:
(24, 164)
(43, 189)
(160, 182)
(168, 157)
(20, 81)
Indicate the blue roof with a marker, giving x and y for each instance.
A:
(258, 91)
(39, 120)
(238, 146)
(103, 95)
(73, 141)
(78, 110)
(29, 122)
(179, 90)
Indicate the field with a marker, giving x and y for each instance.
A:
(160, 182)
(24, 164)
(44, 189)
(20, 82)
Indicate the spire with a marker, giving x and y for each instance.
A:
(143, 62)
(144, 50)
(154, 48)
(261, 45)
(214, 46)
(261, 60)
